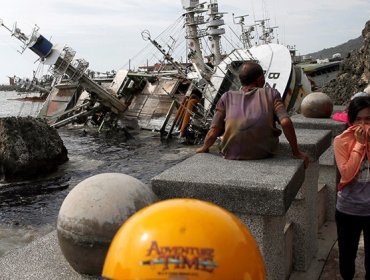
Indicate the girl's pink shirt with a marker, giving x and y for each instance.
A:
(349, 154)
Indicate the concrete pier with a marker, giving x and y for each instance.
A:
(328, 173)
(265, 194)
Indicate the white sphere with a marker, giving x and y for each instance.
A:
(92, 213)
(317, 105)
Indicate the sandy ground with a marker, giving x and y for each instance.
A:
(331, 269)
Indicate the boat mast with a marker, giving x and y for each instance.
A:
(146, 37)
(214, 31)
(246, 31)
(267, 32)
(193, 19)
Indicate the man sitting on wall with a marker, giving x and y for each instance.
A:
(247, 120)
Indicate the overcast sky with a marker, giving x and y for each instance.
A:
(107, 32)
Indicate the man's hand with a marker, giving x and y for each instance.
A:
(201, 150)
(304, 156)
(209, 140)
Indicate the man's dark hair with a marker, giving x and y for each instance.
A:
(356, 105)
(250, 72)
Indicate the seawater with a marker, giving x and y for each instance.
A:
(29, 209)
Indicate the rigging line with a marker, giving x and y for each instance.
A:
(181, 35)
(135, 56)
(173, 41)
(234, 46)
(149, 44)
(164, 41)
(235, 49)
(227, 44)
(254, 20)
(272, 57)
(234, 32)
(181, 51)
(236, 35)
(169, 27)
(163, 38)
(207, 45)
(168, 31)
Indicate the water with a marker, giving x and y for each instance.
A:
(29, 209)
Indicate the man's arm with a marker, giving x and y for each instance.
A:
(210, 139)
(217, 128)
(289, 132)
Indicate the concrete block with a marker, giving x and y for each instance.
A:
(289, 243)
(312, 142)
(260, 187)
(322, 203)
(301, 122)
(329, 176)
(259, 192)
(269, 233)
(303, 213)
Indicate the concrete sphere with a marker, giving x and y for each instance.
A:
(92, 213)
(367, 89)
(317, 105)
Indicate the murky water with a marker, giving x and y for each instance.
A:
(29, 209)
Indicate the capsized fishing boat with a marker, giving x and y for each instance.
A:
(172, 97)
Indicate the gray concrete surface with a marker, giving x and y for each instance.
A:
(326, 238)
(40, 260)
(313, 142)
(299, 121)
(261, 187)
(43, 260)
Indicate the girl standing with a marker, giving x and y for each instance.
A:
(352, 154)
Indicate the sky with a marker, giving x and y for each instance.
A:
(107, 33)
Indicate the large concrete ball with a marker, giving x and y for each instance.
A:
(367, 89)
(92, 213)
(317, 105)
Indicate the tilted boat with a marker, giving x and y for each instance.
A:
(171, 96)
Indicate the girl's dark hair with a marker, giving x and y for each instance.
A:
(356, 105)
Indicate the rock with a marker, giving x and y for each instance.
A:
(91, 215)
(29, 147)
(354, 75)
(317, 105)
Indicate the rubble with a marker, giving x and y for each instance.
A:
(354, 75)
(29, 148)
